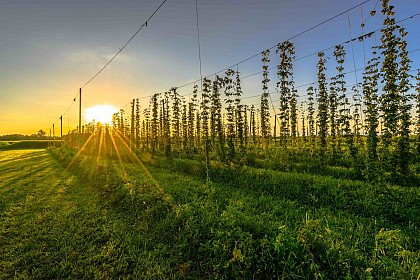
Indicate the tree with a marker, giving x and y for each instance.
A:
(41, 133)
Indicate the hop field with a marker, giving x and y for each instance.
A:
(319, 179)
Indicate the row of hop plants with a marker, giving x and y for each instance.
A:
(174, 127)
(218, 125)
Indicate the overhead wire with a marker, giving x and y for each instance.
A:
(309, 55)
(291, 38)
(199, 45)
(242, 61)
(125, 45)
(116, 54)
(305, 95)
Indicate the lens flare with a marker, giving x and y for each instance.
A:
(100, 113)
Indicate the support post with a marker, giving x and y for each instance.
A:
(80, 111)
(61, 131)
(53, 136)
(80, 117)
(275, 127)
(132, 124)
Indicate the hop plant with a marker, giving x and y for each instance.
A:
(370, 95)
(265, 109)
(322, 106)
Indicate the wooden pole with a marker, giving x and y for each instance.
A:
(80, 111)
(80, 117)
(61, 131)
(53, 136)
(275, 127)
(132, 124)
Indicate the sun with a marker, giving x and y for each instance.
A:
(100, 113)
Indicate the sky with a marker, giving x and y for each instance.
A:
(51, 48)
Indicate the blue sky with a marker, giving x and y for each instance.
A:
(50, 48)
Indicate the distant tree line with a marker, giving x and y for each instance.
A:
(40, 135)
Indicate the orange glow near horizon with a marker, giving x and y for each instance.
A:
(100, 113)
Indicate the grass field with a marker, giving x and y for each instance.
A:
(24, 144)
(110, 219)
(53, 226)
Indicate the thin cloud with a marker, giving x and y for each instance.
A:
(94, 56)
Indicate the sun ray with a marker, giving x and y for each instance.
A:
(78, 153)
(136, 158)
(125, 176)
(101, 136)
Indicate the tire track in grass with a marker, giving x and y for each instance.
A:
(9, 170)
(24, 174)
(11, 156)
(42, 233)
(60, 228)
(20, 161)
(11, 186)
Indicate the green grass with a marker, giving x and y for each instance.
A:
(54, 226)
(289, 232)
(109, 219)
(24, 144)
(4, 143)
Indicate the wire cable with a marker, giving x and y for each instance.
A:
(125, 45)
(291, 38)
(199, 44)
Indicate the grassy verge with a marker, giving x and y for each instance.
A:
(392, 204)
(252, 223)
